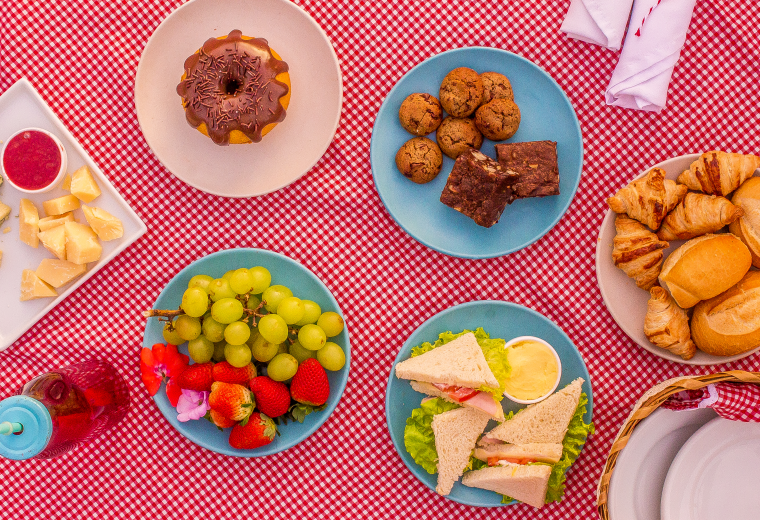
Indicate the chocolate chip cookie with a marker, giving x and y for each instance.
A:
(419, 160)
(461, 92)
(498, 119)
(456, 135)
(496, 86)
(420, 114)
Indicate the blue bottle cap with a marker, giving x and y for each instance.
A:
(38, 427)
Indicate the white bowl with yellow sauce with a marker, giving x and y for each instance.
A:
(536, 370)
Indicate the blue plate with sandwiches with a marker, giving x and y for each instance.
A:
(456, 431)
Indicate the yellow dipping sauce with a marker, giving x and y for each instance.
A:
(534, 370)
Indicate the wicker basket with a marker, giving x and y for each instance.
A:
(648, 403)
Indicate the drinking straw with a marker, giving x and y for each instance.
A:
(7, 428)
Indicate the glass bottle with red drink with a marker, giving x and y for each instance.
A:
(57, 411)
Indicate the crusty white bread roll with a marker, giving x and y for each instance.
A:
(704, 267)
(729, 324)
(747, 228)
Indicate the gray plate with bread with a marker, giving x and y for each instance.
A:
(677, 258)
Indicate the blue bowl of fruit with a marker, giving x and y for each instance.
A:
(245, 352)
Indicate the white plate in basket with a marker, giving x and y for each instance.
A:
(22, 107)
(641, 468)
(284, 154)
(626, 302)
(715, 476)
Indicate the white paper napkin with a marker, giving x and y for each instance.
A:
(652, 47)
(597, 21)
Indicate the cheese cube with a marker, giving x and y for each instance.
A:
(57, 220)
(54, 240)
(83, 186)
(29, 219)
(61, 205)
(1, 256)
(58, 272)
(105, 225)
(82, 246)
(66, 184)
(5, 212)
(32, 287)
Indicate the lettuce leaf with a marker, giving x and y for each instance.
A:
(493, 350)
(575, 438)
(419, 439)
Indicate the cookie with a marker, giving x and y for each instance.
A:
(419, 159)
(461, 92)
(498, 119)
(456, 135)
(496, 86)
(420, 114)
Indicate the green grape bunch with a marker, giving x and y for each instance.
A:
(242, 318)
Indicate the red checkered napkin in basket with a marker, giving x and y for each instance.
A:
(734, 401)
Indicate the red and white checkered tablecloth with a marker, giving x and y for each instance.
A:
(82, 56)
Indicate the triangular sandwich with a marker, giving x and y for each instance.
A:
(524, 483)
(455, 372)
(456, 433)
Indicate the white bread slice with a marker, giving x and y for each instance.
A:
(429, 389)
(456, 432)
(534, 452)
(527, 484)
(546, 421)
(460, 362)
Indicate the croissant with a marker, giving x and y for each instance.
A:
(637, 251)
(648, 199)
(666, 324)
(698, 214)
(719, 173)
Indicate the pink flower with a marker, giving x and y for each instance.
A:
(192, 405)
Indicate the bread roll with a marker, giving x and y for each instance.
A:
(747, 228)
(729, 324)
(704, 267)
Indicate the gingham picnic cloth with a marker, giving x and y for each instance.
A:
(732, 401)
(82, 56)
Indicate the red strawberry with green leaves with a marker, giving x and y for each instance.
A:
(197, 377)
(226, 373)
(272, 397)
(310, 385)
(220, 420)
(232, 401)
(258, 431)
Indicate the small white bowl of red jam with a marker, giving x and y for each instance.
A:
(33, 160)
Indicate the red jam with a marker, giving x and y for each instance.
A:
(32, 160)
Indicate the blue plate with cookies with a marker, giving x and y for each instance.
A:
(533, 177)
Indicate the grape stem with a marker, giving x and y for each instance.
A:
(166, 313)
(161, 313)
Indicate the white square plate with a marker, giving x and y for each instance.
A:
(22, 107)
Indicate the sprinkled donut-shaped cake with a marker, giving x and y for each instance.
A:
(235, 89)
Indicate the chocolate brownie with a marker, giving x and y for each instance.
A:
(536, 164)
(479, 188)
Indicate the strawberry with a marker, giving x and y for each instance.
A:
(232, 401)
(226, 373)
(220, 420)
(196, 377)
(310, 385)
(272, 397)
(258, 431)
